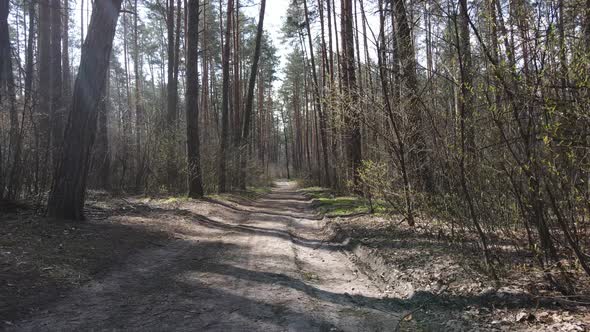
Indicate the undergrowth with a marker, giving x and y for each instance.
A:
(329, 203)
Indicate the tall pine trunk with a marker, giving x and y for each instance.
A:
(225, 100)
(68, 193)
(58, 112)
(195, 184)
(250, 97)
(171, 115)
(317, 99)
(351, 112)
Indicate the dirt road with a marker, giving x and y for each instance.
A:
(264, 267)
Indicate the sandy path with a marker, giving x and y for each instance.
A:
(268, 271)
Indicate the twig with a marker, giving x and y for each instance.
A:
(407, 315)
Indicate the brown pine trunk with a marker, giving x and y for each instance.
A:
(44, 103)
(400, 148)
(15, 177)
(466, 103)
(205, 78)
(351, 112)
(103, 155)
(171, 98)
(250, 97)
(65, 54)
(195, 185)
(139, 112)
(67, 196)
(418, 156)
(7, 89)
(317, 99)
(57, 108)
(225, 100)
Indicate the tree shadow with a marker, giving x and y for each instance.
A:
(42, 258)
(294, 207)
(441, 302)
(150, 294)
(255, 230)
(179, 290)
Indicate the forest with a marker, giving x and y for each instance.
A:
(413, 128)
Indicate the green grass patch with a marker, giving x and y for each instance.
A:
(331, 204)
(175, 199)
(317, 192)
(342, 205)
(250, 193)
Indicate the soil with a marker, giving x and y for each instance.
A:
(266, 264)
(413, 263)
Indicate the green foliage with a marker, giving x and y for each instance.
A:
(377, 185)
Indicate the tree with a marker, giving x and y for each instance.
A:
(172, 96)
(195, 185)
(410, 92)
(7, 88)
(317, 98)
(44, 109)
(351, 113)
(139, 109)
(57, 110)
(225, 100)
(250, 97)
(65, 54)
(68, 193)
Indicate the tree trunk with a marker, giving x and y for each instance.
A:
(103, 154)
(171, 115)
(400, 149)
(44, 65)
(250, 97)
(139, 112)
(195, 185)
(7, 88)
(67, 196)
(466, 71)
(57, 109)
(65, 55)
(418, 156)
(225, 100)
(317, 99)
(351, 112)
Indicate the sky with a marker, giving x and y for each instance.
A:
(275, 13)
(274, 17)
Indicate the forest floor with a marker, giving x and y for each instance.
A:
(234, 263)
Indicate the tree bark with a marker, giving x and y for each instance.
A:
(44, 65)
(195, 184)
(67, 196)
(317, 95)
(418, 156)
(351, 112)
(250, 97)
(171, 115)
(139, 111)
(57, 109)
(7, 88)
(103, 154)
(225, 100)
(65, 54)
